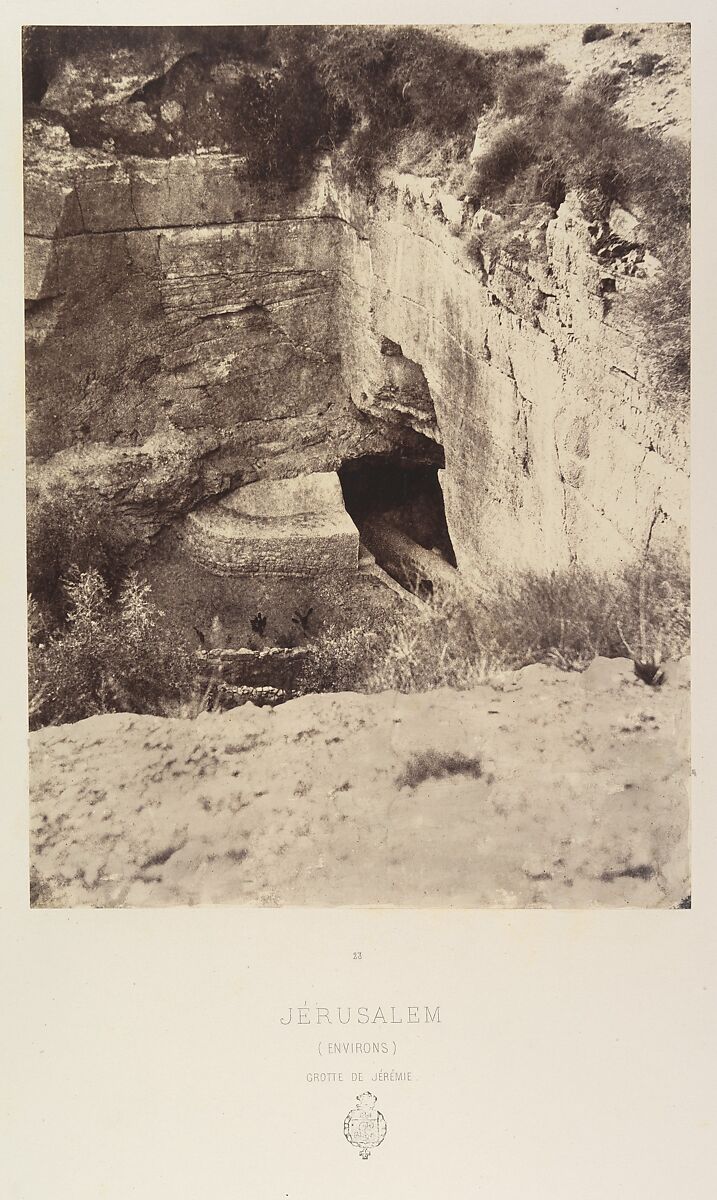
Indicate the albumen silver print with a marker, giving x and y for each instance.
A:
(357, 393)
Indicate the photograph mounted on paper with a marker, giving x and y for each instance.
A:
(357, 393)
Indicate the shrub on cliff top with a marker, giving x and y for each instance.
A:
(391, 79)
(559, 141)
(281, 118)
(282, 94)
(397, 86)
(580, 140)
(596, 33)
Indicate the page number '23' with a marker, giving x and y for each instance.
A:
(357, 954)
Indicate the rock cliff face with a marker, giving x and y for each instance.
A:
(189, 331)
(555, 449)
(183, 326)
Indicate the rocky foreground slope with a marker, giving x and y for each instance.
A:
(543, 788)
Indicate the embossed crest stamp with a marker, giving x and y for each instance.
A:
(365, 1126)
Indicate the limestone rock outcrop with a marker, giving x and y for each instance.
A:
(556, 448)
(293, 526)
(273, 333)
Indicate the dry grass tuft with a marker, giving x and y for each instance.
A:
(565, 618)
(435, 764)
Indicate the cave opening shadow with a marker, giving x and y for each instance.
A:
(396, 492)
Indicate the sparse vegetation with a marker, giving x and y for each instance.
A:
(434, 764)
(111, 656)
(565, 618)
(107, 657)
(646, 64)
(560, 141)
(596, 33)
(570, 617)
(552, 142)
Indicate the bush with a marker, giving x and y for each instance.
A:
(578, 139)
(508, 155)
(662, 313)
(434, 764)
(578, 142)
(385, 85)
(282, 118)
(566, 618)
(646, 64)
(596, 33)
(398, 76)
(109, 657)
(585, 141)
(68, 532)
(531, 86)
(569, 617)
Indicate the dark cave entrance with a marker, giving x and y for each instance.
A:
(397, 505)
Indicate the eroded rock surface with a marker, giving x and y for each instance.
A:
(555, 446)
(543, 789)
(279, 527)
(274, 333)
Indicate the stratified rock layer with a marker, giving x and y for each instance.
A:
(276, 527)
(275, 333)
(555, 447)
